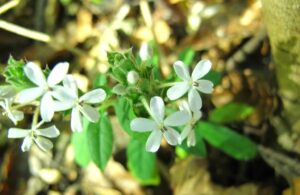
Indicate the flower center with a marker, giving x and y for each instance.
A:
(195, 84)
(163, 129)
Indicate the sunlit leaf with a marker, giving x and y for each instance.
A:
(14, 74)
(96, 1)
(227, 140)
(181, 153)
(142, 164)
(125, 114)
(230, 113)
(100, 141)
(121, 64)
(65, 2)
(100, 81)
(80, 145)
(214, 77)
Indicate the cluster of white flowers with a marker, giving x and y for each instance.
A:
(190, 111)
(49, 97)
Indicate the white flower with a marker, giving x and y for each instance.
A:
(12, 114)
(188, 131)
(44, 87)
(159, 126)
(7, 94)
(68, 98)
(192, 84)
(35, 135)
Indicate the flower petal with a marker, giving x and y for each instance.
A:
(153, 141)
(201, 69)
(50, 132)
(191, 140)
(157, 107)
(177, 119)
(28, 95)
(3, 105)
(34, 73)
(172, 136)
(181, 70)
(15, 116)
(58, 73)
(70, 83)
(61, 106)
(76, 121)
(178, 90)
(18, 133)
(197, 115)
(94, 96)
(194, 100)
(43, 143)
(185, 132)
(27, 143)
(90, 113)
(47, 107)
(205, 86)
(7, 91)
(63, 94)
(142, 125)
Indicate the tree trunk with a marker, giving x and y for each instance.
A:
(282, 18)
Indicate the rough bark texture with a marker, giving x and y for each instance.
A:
(282, 18)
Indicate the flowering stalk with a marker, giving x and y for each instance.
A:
(57, 91)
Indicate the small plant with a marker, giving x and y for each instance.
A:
(148, 107)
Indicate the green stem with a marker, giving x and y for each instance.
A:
(36, 117)
(166, 85)
(26, 104)
(144, 102)
(106, 104)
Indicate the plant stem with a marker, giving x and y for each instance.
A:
(36, 117)
(144, 101)
(166, 85)
(24, 32)
(9, 5)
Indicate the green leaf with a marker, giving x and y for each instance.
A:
(121, 64)
(65, 2)
(214, 77)
(125, 114)
(199, 149)
(187, 56)
(142, 164)
(14, 74)
(100, 81)
(100, 141)
(155, 55)
(227, 140)
(96, 1)
(80, 145)
(181, 153)
(231, 112)
(116, 58)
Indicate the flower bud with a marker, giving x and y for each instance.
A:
(119, 89)
(145, 52)
(132, 77)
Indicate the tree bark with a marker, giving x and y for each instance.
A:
(282, 18)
